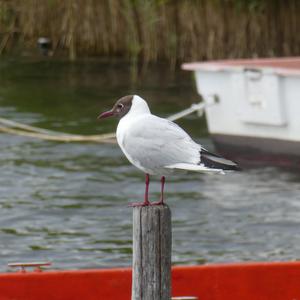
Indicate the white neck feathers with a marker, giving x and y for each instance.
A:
(138, 106)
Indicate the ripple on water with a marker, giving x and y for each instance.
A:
(67, 203)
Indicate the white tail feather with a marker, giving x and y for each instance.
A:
(196, 168)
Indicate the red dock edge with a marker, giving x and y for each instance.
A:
(247, 281)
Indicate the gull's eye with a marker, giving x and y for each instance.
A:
(120, 105)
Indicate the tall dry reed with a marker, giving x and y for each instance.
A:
(152, 30)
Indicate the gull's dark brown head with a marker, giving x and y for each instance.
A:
(120, 109)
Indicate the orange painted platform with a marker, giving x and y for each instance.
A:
(250, 281)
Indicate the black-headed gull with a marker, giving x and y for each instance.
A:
(158, 146)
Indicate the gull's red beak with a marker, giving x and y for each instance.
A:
(105, 114)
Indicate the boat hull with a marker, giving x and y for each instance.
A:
(248, 281)
(252, 106)
(253, 151)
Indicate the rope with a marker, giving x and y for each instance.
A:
(194, 107)
(21, 129)
(27, 127)
(103, 138)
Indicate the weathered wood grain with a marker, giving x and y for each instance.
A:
(152, 239)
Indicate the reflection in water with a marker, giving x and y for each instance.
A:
(67, 203)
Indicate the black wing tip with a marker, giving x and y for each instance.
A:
(207, 159)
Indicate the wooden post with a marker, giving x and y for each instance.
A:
(152, 239)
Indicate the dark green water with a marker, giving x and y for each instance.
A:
(67, 202)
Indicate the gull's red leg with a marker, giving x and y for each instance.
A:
(161, 201)
(147, 182)
(146, 201)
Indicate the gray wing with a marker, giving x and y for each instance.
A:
(156, 142)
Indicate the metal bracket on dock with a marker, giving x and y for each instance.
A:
(36, 265)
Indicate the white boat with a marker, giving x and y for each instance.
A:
(252, 108)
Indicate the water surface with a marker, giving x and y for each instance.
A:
(67, 202)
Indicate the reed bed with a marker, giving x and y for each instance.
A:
(153, 30)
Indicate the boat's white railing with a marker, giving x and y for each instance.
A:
(17, 128)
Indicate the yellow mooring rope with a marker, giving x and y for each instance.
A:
(12, 127)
